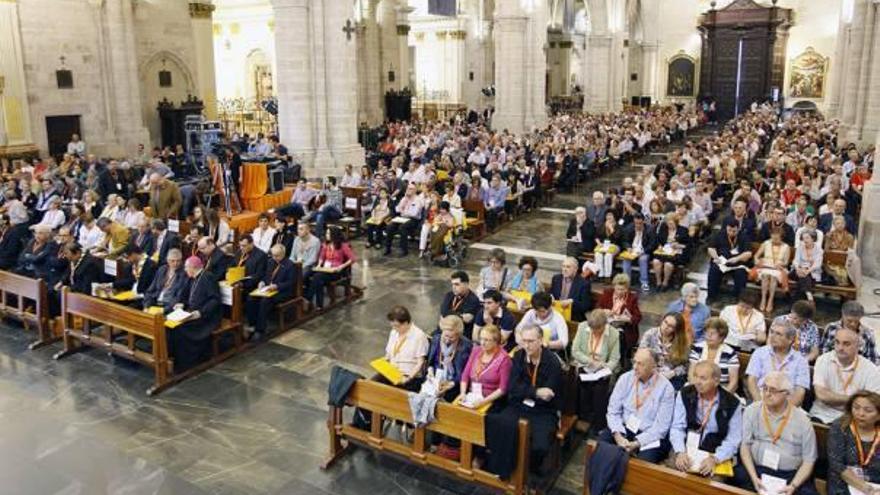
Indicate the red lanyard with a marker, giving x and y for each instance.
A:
(639, 400)
(863, 459)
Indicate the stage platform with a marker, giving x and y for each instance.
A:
(247, 220)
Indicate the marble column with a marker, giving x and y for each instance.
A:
(869, 222)
(838, 64)
(405, 73)
(374, 108)
(15, 125)
(520, 65)
(125, 99)
(650, 69)
(850, 86)
(389, 46)
(317, 84)
(200, 13)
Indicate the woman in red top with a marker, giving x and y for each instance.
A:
(334, 259)
(622, 306)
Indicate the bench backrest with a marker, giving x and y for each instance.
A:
(476, 208)
(25, 287)
(231, 298)
(112, 314)
(835, 257)
(352, 198)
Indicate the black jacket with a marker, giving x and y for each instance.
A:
(469, 305)
(11, 245)
(35, 263)
(254, 267)
(125, 279)
(217, 263)
(284, 277)
(87, 271)
(549, 375)
(173, 294)
(588, 234)
(727, 407)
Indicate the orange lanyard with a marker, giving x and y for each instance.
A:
(533, 374)
(852, 375)
(639, 400)
(244, 259)
(863, 459)
(482, 368)
(705, 412)
(401, 339)
(275, 272)
(744, 327)
(778, 434)
(594, 344)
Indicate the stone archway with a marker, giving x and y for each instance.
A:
(154, 90)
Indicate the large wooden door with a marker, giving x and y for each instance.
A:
(59, 129)
(743, 54)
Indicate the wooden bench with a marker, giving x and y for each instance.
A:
(231, 324)
(383, 402)
(353, 208)
(845, 292)
(643, 477)
(475, 213)
(31, 305)
(296, 303)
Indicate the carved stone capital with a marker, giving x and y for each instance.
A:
(201, 10)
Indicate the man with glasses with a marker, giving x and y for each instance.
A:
(278, 275)
(851, 317)
(640, 410)
(778, 355)
(495, 313)
(168, 284)
(778, 448)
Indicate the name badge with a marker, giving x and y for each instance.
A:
(734, 251)
(633, 423)
(771, 459)
(693, 442)
(477, 389)
(529, 402)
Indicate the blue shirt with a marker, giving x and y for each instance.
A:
(699, 314)
(794, 366)
(494, 197)
(678, 432)
(655, 413)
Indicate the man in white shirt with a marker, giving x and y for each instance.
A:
(76, 146)
(839, 373)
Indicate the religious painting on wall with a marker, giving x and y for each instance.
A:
(807, 78)
(680, 79)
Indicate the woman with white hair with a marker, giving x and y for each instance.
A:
(694, 312)
(54, 215)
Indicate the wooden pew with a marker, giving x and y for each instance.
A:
(353, 206)
(296, 303)
(475, 212)
(22, 290)
(643, 477)
(384, 401)
(845, 292)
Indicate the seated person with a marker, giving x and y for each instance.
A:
(571, 290)
(852, 464)
(806, 266)
(535, 388)
(640, 410)
(143, 236)
(33, 259)
(671, 345)
(729, 251)
(190, 343)
(116, 237)
(333, 261)
(851, 316)
(262, 236)
(163, 241)
(435, 231)
(495, 275)
(300, 199)
(714, 350)
(596, 347)
(332, 208)
(496, 314)
(838, 239)
(709, 413)
(253, 260)
(407, 348)
(771, 268)
(838, 374)
(448, 354)
(215, 261)
(487, 371)
(548, 320)
(779, 355)
(306, 248)
(461, 300)
(622, 309)
(279, 274)
(674, 241)
(168, 284)
(746, 326)
(639, 241)
(609, 236)
(692, 310)
(81, 272)
(777, 440)
(807, 340)
(581, 233)
(135, 271)
(380, 213)
(526, 279)
(407, 221)
(493, 198)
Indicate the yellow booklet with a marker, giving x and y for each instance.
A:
(628, 255)
(173, 324)
(128, 295)
(155, 310)
(547, 335)
(263, 293)
(724, 469)
(565, 312)
(482, 409)
(388, 370)
(234, 274)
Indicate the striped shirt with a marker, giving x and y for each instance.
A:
(726, 358)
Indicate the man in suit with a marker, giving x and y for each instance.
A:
(143, 237)
(279, 274)
(571, 290)
(134, 272)
(190, 343)
(113, 181)
(168, 284)
(641, 241)
(216, 262)
(81, 272)
(745, 224)
(116, 237)
(165, 198)
(12, 239)
(838, 208)
(253, 261)
(777, 221)
(163, 241)
(32, 262)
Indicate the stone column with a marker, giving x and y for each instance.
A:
(838, 64)
(200, 13)
(850, 87)
(405, 72)
(389, 45)
(317, 84)
(650, 68)
(520, 66)
(125, 100)
(15, 125)
(597, 77)
(869, 222)
(374, 108)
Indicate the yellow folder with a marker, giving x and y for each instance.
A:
(173, 324)
(482, 409)
(234, 274)
(263, 293)
(627, 255)
(128, 295)
(388, 370)
(724, 469)
(155, 310)
(565, 312)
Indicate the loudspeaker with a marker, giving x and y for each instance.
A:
(276, 180)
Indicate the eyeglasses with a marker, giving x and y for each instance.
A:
(773, 391)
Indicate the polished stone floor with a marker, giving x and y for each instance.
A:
(256, 423)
